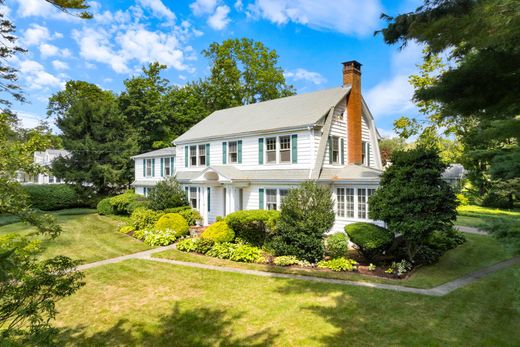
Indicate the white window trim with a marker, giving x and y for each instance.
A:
(148, 166)
(229, 152)
(356, 203)
(277, 150)
(278, 196)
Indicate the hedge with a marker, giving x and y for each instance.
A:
(50, 197)
(371, 240)
(253, 226)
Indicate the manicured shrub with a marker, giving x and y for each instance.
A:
(167, 193)
(338, 264)
(173, 222)
(222, 250)
(413, 199)
(246, 253)
(104, 207)
(142, 202)
(286, 260)
(307, 213)
(121, 203)
(143, 218)
(336, 245)
(160, 237)
(191, 215)
(370, 239)
(50, 197)
(125, 229)
(253, 226)
(219, 232)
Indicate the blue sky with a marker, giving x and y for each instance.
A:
(312, 38)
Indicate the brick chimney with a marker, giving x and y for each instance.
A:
(352, 77)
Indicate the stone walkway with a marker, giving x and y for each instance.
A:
(440, 290)
(471, 230)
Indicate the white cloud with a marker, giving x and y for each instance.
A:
(158, 8)
(386, 133)
(202, 7)
(219, 20)
(47, 50)
(60, 65)
(239, 6)
(28, 120)
(36, 77)
(35, 35)
(351, 17)
(305, 75)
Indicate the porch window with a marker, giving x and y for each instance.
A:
(193, 198)
(283, 194)
(202, 155)
(335, 149)
(285, 149)
(271, 200)
(340, 201)
(193, 155)
(148, 164)
(232, 152)
(349, 202)
(270, 144)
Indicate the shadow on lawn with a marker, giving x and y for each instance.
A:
(199, 327)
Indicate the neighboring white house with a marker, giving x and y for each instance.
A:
(43, 159)
(247, 157)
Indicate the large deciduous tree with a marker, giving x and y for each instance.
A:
(412, 199)
(96, 134)
(479, 91)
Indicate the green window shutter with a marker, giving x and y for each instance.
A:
(261, 198)
(185, 156)
(153, 167)
(294, 148)
(207, 154)
(330, 149)
(239, 148)
(261, 151)
(209, 199)
(144, 167)
(224, 152)
(342, 151)
(162, 167)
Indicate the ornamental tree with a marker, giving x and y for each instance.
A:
(413, 200)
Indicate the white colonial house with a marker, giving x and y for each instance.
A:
(248, 157)
(45, 159)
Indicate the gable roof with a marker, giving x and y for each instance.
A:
(168, 151)
(284, 113)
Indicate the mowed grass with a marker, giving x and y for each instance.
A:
(477, 252)
(144, 303)
(86, 236)
(477, 216)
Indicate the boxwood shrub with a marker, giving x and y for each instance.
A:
(370, 239)
(253, 226)
(104, 207)
(219, 232)
(50, 197)
(173, 222)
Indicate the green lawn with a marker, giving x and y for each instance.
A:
(86, 236)
(478, 251)
(476, 216)
(142, 303)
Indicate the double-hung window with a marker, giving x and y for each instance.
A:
(363, 195)
(167, 167)
(270, 145)
(334, 152)
(285, 149)
(193, 197)
(193, 155)
(347, 202)
(202, 155)
(149, 168)
(232, 152)
(271, 199)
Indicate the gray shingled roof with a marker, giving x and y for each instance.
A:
(349, 172)
(285, 113)
(168, 151)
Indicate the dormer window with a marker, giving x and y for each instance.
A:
(270, 143)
